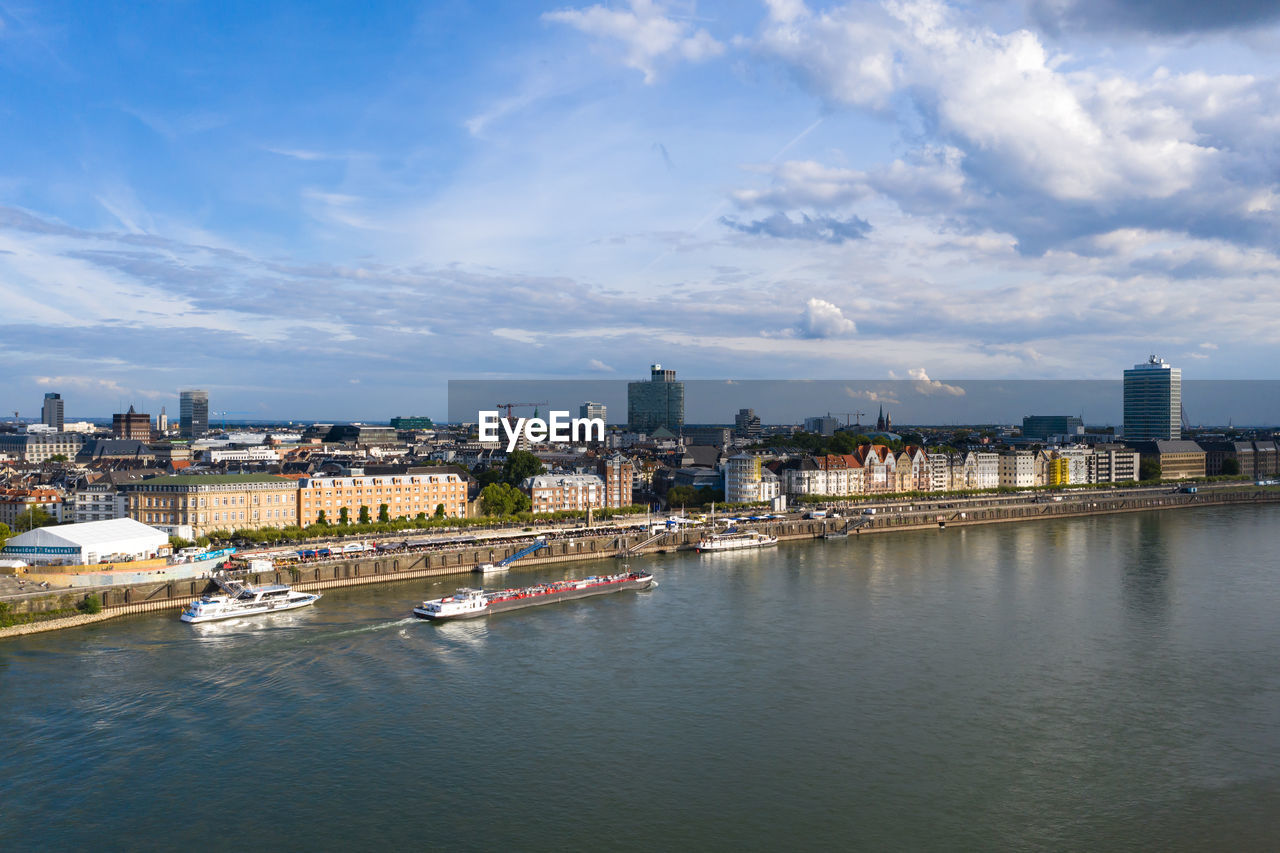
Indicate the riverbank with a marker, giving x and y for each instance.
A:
(940, 514)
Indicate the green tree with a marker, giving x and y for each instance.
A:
(322, 519)
(364, 515)
(4, 533)
(31, 518)
(439, 510)
(1231, 466)
(92, 604)
(503, 499)
(487, 476)
(58, 457)
(344, 515)
(521, 464)
(383, 514)
(1149, 469)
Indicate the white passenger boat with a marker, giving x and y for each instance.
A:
(734, 540)
(244, 600)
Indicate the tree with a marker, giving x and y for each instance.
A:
(439, 510)
(344, 515)
(1149, 469)
(521, 464)
(58, 457)
(322, 519)
(4, 533)
(383, 514)
(364, 515)
(487, 476)
(503, 499)
(31, 518)
(91, 604)
(1231, 466)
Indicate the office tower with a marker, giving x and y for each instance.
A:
(193, 413)
(593, 410)
(131, 424)
(1153, 401)
(51, 411)
(747, 423)
(656, 403)
(1043, 426)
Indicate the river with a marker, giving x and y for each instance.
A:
(1101, 683)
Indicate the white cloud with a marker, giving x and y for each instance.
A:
(647, 33)
(824, 320)
(599, 366)
(925, 385)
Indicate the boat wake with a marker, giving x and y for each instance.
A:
(378, 626)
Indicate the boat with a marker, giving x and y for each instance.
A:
(470, 603)
(733, 540)
(239, 599)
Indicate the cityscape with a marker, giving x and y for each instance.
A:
(632, 425)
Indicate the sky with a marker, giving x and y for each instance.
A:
(327, 211)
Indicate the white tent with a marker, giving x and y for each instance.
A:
(91, 542)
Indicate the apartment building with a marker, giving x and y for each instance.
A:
(206, 502)
(404, 495)
(556, 492)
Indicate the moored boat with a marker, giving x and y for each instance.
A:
(468, 603)
(734, 540)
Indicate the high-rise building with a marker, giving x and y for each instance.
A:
(656, 403)
(51, 411)
(747, 423)
(822, 425)
(162, 422)
(132, 425)
(193, 413)
(1043, 426)
(1153, 401)
(593, 410)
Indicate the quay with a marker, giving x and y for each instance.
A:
(929, 513)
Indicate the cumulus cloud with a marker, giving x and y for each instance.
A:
(821, 229)
(599, 366)
(871, 396)
(647, 34)
(824, 320)
(1026, 141)
(924, 385)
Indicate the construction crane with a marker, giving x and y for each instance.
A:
(510, 406)
(848, 415)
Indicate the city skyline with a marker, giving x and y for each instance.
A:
(312, 212)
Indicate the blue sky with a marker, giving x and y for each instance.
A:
(326, 211)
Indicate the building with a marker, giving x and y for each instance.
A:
(361, 434)
(712, 436)
(557, 492)
(162, 422)
(132, 425)
(102, 499)
(1179, 460)
(1017, 469)
(41, 446)
(207, 502)
(14, 502)
(1044, 426)
(656, 403)
(747, 423)
(117, 540)
(1114, 463)
(618, 475)
(218, 455)
(51, 411)
(1153, 401)
(594, 410)
(413, 422)
(193, 413)
(405, 495)
(822, 425)
(746, 480)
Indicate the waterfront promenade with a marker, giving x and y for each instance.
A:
(426, 560)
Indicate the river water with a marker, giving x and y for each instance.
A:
(1093, 684)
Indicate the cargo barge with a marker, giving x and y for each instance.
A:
(470, 603)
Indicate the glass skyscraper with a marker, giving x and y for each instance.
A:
(51, 411)
(656, 403)
(1153, 401)
(193, 411)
